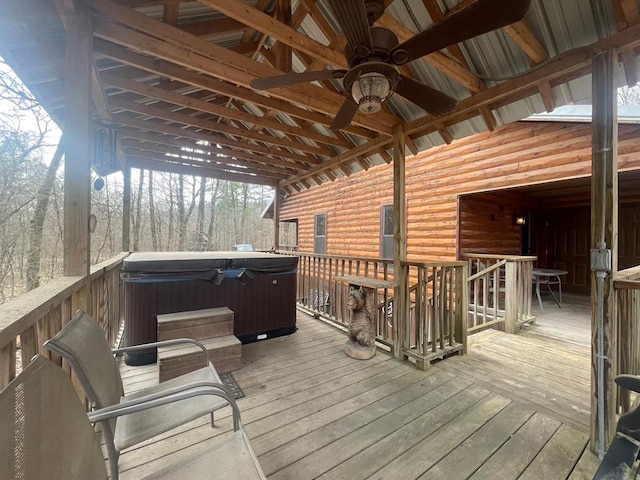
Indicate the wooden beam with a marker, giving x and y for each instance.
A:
(270, 155)
(401, 291)
(546, 92)
(569, 64)
(604, 236)
(148, 36)
(522, 35)
(173, 116)
(271, 27)
(161, 166)
(204, 157)
(170, 70)
(77, 135)
(283, 51)
(208, 107)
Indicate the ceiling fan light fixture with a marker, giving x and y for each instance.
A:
(369, 91)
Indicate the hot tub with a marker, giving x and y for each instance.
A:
(260, 289)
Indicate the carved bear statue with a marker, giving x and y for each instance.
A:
(361, 332)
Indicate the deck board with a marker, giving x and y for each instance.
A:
(517, 406)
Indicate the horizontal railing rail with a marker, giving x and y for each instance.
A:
(29, 320)
(500, 289)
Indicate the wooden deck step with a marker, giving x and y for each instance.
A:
(225, 353)
(196, 324)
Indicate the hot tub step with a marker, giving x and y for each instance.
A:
(225, 353)
(196, 324)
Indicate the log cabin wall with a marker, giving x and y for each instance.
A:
(482, 215)
(515, 155)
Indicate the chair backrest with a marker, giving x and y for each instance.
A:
(83, 343)
(44, 429)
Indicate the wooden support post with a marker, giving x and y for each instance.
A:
(126, 210)
(510, 297)
(401, 273)
(276, 218)
(77, 140)
(604, 235)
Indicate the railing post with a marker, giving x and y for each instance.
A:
(462, 306)
(510, 298)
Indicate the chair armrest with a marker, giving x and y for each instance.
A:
(164, 343)
(629, 382)
(152, 401)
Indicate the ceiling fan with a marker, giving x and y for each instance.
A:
(373, 53)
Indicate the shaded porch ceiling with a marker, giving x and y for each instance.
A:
(576, 192)
(172, 78)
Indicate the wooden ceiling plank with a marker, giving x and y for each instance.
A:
(169, 43)
(220, 155)
(161, 166)
(188, 120)
(170, 70)
(178, 156)
(186, 101)
(214, 139)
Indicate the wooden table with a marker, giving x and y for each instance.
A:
(548, 277)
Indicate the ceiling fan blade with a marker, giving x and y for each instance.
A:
(293, 78)
(352, 18)
(429, 99)
(345, 114)
(480, 17)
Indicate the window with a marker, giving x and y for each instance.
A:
(386, 232)
(320, 234)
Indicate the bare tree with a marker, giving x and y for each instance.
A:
(38, 219)
(629, 95)
(152, 216)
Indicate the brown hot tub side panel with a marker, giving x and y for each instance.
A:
(263, 302)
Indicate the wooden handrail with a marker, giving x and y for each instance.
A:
(39, 314)
(487, 270)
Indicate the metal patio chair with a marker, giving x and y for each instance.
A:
(622, 458)
(45, 434)
(83, 344)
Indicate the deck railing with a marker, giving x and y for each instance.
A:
(500, 288)
(627, 288)
(436, 292)
(438, 299)
(29, 320)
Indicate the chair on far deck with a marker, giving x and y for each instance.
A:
(83, 344)
(621, 460)
(45, 434)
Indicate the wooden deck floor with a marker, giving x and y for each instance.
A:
(515, 407)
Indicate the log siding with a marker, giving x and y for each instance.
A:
(515, 155)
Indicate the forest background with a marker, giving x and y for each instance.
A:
(170, 212)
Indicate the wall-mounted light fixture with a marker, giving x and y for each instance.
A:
(519, 219)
